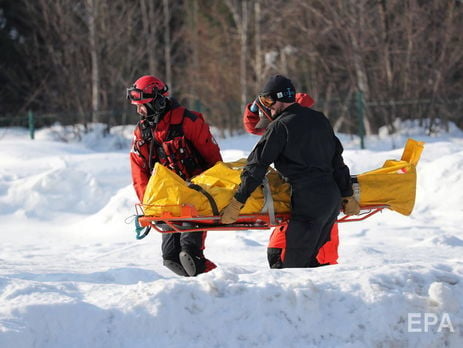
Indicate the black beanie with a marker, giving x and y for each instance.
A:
(280, 88)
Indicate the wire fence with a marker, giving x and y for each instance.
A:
(350, 114)
(34, 120)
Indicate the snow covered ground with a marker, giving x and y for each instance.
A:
(72, 273)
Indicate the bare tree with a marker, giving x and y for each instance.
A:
(167, 43)
(258, 43)
(239, 11)
(92, 13)
(405, 56)
(150, 18)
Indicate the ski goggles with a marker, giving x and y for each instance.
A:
(266, 100)
(136, 94)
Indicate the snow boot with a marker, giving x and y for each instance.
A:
(194, 264)
(175, 267)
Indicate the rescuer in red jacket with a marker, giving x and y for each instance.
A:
(256, 118)
(179, 139)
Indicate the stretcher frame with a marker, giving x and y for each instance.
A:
(190, 221)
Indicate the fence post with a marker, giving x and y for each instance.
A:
(360, 109)
(31, 124)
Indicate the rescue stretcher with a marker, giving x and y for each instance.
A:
(189, 221)
(171, 205)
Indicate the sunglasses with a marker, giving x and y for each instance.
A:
(136, 94)
(266, 100)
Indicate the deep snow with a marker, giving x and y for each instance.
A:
(72, 273)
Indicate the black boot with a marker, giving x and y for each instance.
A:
(175, 267)
(274, 257)
(192, 264)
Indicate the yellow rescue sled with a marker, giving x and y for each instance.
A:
(171, 204)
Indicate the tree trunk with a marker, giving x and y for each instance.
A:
(244, 51)
(258, 44)
(241, 23)
(167, 44)
(148, 19)
(359, 67)
(92, 12)
(195, 52)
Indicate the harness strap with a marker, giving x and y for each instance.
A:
(211, 200)
(268, 202)
(150, 160)
(355, 187)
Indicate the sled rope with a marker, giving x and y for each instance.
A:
(141, 231)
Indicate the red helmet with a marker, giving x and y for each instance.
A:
(145, 89)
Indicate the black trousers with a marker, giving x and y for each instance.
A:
(314, 211)
(174, 243)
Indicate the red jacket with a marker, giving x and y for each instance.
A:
(195, 129)
(250, 118)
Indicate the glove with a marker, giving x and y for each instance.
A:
(253, 107)
(350, 206)
(231, 212)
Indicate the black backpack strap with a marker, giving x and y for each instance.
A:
(215, 209)
(147, 128)
(176, 129)
(187, 113)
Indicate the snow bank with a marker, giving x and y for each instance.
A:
(229, 309)
(72, 273)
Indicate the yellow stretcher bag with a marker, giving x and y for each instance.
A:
(167, 192)
(394, 185)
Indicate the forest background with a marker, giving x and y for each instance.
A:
(365, 62)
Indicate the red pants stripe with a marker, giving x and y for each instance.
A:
(327, 254)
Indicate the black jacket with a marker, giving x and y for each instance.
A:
(304, 148)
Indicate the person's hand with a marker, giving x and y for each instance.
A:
(350, 206)
(231, 212)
